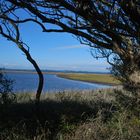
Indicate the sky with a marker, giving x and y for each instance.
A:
(52, 51)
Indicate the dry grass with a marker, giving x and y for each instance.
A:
(92, 78)
(107, 114)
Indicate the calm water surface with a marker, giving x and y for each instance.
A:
(28, 82)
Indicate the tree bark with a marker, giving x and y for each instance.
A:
(128, 72)
(40, 75)
(133, 82)
(25, 51)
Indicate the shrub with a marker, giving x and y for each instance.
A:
(6, 90)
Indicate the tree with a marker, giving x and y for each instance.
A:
(6, 94)
(10, 31)
(111, 27)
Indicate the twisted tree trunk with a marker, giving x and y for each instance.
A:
(40, 75)
(128, 72)
(16, 39)
(133, 82)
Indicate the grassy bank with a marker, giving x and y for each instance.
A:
(92, 78)
(107, 114)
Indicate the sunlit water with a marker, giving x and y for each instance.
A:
(28, 82)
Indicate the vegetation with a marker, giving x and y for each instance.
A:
(6, 87)
(92, 78)
(111, 28)
(10, 31)
(107, 114)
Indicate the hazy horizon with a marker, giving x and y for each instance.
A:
(18, 69)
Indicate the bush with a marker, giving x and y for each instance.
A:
(6, 90)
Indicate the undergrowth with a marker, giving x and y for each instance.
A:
(108, 114)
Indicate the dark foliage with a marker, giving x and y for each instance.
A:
(51, 116)
(111, 28)
(6, 94)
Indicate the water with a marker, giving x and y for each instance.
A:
(28, 82)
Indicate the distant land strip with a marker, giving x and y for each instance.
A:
(50, 71)
(23, 71)
(99, 78)
(29, 71)
(107, 79)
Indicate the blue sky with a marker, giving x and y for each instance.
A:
(55, 51)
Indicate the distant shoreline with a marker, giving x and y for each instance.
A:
(50, 71)
(27, 72)
(93, 80)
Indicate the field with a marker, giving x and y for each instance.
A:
(107, 114)
(92, 78)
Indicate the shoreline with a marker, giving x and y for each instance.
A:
(91, 82)
(28, 72)
(66, 76)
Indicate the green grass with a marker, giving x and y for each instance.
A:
(93, 78)
(107, 114)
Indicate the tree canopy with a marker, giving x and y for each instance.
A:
(111, 27)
